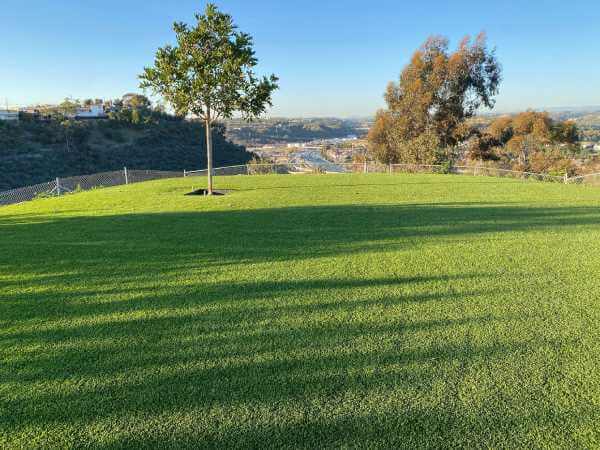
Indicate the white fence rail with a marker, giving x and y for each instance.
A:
(61, 186)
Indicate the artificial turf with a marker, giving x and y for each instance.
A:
(414, 311)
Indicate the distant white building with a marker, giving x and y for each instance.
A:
(9, 116)
(90, 112)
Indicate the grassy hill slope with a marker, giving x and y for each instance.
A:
(415, 311)
(35, 152)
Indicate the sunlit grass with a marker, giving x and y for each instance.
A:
(303, 311)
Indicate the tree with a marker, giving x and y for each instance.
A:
(566, 132)
(136, 101)
(501, 129)
(68, 107)
(529, 132)
(209, 73)
(437, 92)
(481, 146)
(541, 126)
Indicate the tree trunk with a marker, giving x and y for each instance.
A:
(209, 156)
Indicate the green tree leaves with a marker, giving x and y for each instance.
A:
(209, 73)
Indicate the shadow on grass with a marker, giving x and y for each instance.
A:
(132, 329)
(231, 237)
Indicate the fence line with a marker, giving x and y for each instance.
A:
(61, 186)
(591, 179)
(250, 169)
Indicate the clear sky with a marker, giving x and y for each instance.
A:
(334, 58)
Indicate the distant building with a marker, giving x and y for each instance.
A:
(90, 112)
(9, 116)
(30, 110)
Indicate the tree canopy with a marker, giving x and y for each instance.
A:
(437, 91)
(210, 74)
(537, 125)
(524, 135)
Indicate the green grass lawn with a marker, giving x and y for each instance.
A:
(414, 311)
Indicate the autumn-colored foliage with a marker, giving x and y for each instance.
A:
(530, 140)
(537, 125)
(436, 93)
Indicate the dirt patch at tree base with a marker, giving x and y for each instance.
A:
(204, 192)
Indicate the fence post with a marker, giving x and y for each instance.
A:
(57, 187)
(566, 178)
(390, 168)
(365, 169)
(184, 173)
(126, 175)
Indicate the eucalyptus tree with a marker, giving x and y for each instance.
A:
(209, 74)
(437, 92)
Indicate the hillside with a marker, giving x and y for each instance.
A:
(37, 151)
(307, 311)
(282, 131)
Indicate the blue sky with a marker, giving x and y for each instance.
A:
(334, 58)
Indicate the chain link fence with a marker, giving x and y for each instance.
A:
(246, 169)
(592, 179)
(285, 168)
(504, 173)
(66, 185)
(61, 186)
(27, 193)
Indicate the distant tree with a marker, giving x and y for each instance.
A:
(68, 106)
(481, 146)
(566, 132)
(136, 117)
(501, 129)
(209, 74)
(436, 93)
(136, 101)
(529, 132)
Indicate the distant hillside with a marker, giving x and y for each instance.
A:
(37, 151)
(280, 131)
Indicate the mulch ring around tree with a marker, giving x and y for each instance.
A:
(204, 192)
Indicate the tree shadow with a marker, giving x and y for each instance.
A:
(144, 329)
(221, 237)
